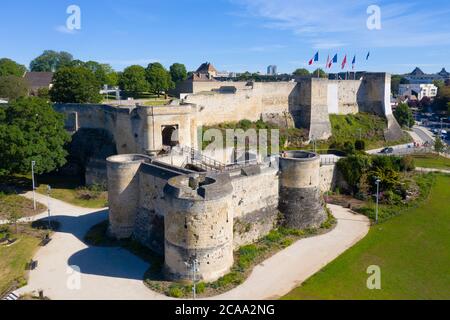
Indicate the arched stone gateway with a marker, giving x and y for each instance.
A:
(170, 136)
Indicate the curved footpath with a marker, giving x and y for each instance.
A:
(114, 273)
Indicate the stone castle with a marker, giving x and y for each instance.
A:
(185, 204)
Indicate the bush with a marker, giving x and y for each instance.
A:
(360, 145)
(176, 291)
(407, 163)
(201, 286)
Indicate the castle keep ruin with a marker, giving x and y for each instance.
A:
(186, 205)
(185, 214)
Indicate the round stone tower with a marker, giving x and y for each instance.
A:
(198, 227)
(301, 201)
(123, 193)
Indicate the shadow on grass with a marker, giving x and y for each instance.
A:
(21, 183)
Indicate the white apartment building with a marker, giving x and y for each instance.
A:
(419, 90)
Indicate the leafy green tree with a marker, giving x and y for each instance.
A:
(178, 72)
(31, 130)
(9, 67)
(301, 72)
(439, 83)
(12, 87)
(51, 61)
(395, 83)
(158, 78)
(442, 99)
(404, 115)
(133, 80)
(75, 85)
(439, 146)
(103, 72)
(322, 74)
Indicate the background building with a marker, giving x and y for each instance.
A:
(272, 70)
(419, 90)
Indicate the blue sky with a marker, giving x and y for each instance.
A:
(235, 35)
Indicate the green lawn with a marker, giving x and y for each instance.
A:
(23, 206)
(432, 161)
(412, 250)
(13, 260)
(68, 189)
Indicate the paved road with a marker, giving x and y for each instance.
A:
(114, 273)
(423, 134)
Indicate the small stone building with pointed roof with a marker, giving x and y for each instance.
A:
(207, 69)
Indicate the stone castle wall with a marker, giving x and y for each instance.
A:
(185, 215)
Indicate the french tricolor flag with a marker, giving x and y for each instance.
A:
(344, 62)
(315, 59)
(354, 62)
(334, 60)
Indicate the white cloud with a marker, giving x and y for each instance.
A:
(331, 24)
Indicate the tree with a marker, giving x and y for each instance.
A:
(9, 67)
(442, 99)
(75, 85)
(395, 83)
(301, 72)
(51, 61)
(404, 115)
(178, 72)
(133, 80)
(103, 72)
(322, 74)
(439, 83)
(31, 130)
(12, 87)
(439, 146)
(158, 78)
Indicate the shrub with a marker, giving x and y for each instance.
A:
(353, 167)
(407, 163)
(201, 286)
(247, 254)
(360, 145)
(176, 291)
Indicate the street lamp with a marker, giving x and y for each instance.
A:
(377, 182)
(33, 163)
(49, 189)
(193, 266)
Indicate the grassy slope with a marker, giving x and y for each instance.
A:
(70, 196)
(13, 260)
(411, 250)
(63, 188)
(346, 128)
(23, 205)
(432, 161)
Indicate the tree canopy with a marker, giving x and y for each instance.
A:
(13, 87)
(103, 72)
(178, 72)
(322, 74)
(442, 100)
(51, 61)
(30, 130)
(159, 78)
(133, 80)
(75, 85)
(404, 115)
(9, 67)
(301, 72)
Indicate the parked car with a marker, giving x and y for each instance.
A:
(387, 150)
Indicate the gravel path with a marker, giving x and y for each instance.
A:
(116, 274)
